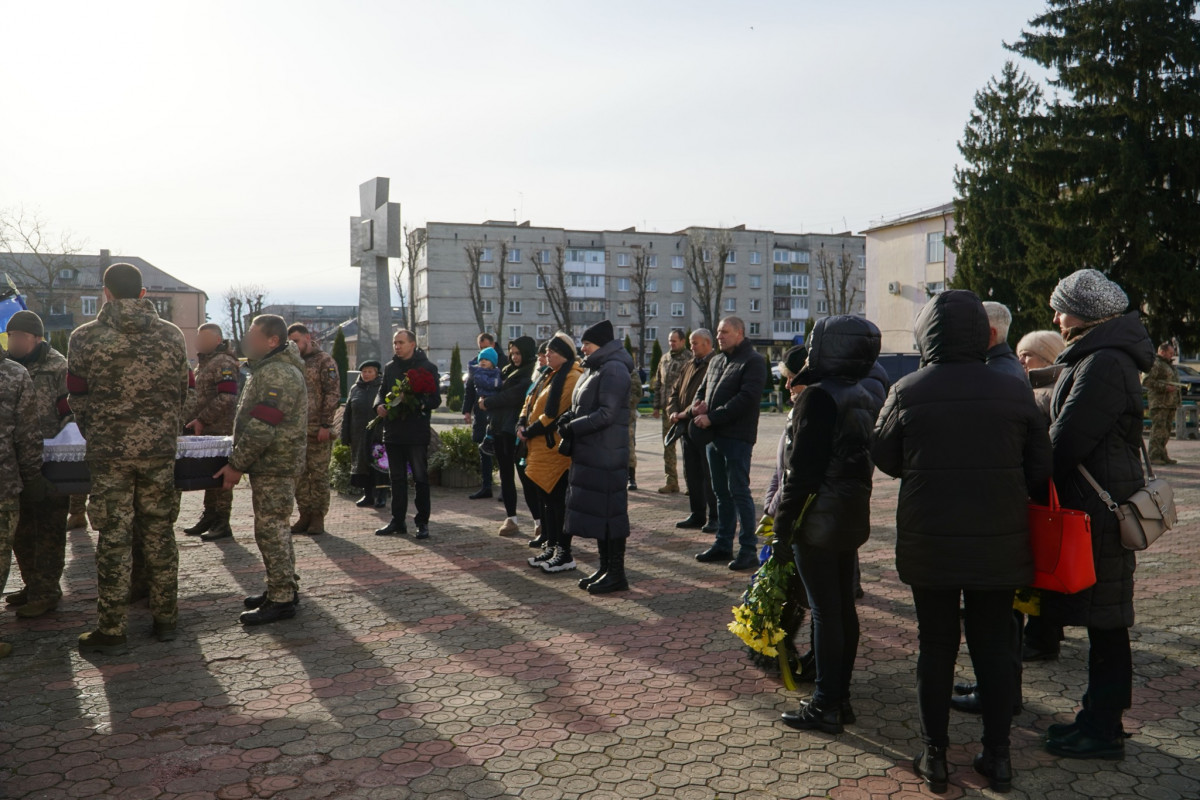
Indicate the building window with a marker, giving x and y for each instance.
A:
(860, 306)
(935, 247)
(797, 284)
(514, 281)
(676, 309)
(485, 307)
(580, 280)
(622, 332)
(730, 281)
(515, 331)
(651, 309)
(822, 307)
(486, 280)
(652, 285)
(677, 262)
(820, 284)
(162, 305)
(66, 274)
(731, 257)
(780, 256)
(791, 256)
(58, 307)
(756, 281)
(935, 287)
(755, 328)
(786, 328)
(485, 254)
(651, 334)
(755, 304)
(87, 306)
(862, 284)
(541, 284)
(622, 284)
(622, 309)
(730, 304)
(677, 285)
(544, 332)
(622, 259)
(755, 257)
(543, 307)
(544, 256)
(514, 256)
(651, 261)
(862, 262)
(705, 255)
(514, 306)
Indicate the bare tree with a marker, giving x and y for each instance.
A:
(35, 258)
(242, 303)
(474, 251)
(640, 280)
(705, 257)
(837, 274)
(553, 277)
(406, 278)
(501, 287)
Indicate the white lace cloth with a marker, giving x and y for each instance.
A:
(70, 446)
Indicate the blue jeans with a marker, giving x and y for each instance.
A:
(729, 468)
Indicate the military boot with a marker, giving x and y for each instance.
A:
(301, 525)
(316, 525)
(220, 529)
(207, 519)
(103, 643)
(269, 611)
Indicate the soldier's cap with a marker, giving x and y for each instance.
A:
(26, 322)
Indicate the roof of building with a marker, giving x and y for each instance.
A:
(295, 311)
(906, 219)
(90, 271)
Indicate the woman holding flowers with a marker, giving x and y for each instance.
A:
(407, 395)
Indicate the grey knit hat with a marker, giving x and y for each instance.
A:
(1089, 295)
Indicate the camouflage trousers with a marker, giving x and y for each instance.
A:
(633, 417)
(134, 503)
(1162, 420)
(40, 545)
(670, 465)
(312, 487)
(10, 509)
(78, 504)
(272, 499)
(218, 501)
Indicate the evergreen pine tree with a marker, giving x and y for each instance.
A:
(340, 357)
(454, 395)
(656, 354)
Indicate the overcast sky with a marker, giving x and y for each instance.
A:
(225, 141)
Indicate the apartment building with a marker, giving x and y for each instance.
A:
(772, 280)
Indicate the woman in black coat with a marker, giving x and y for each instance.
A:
(359, 410)
(598, 493)
(503, 409)
(970, 448)
(1097, 424)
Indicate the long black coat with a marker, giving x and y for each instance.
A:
(1097, 421)
(970, 447)
(359, 410)
(598, 483)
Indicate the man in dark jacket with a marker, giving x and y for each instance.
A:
(406, 435)
(970, 447)
(1000, 356)
(701, 498)
(727, 406)
(1097, 424)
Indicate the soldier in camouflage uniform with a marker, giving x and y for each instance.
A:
(127, 376)
(41, 538)
(20, 457)
(216, 402)
(324, 392)
(670, 367)
(269, 442)
(1162, 386)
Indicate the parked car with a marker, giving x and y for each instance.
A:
(1190, 380)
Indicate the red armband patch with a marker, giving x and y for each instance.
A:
(76, 384)
(62, 407)
(268, 414)
(227, 387)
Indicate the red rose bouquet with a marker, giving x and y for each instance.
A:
(408, 395)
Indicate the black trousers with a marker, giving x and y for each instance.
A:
(506, 462)
(701, 497)
(530, 489)
(828, 577)
(554, 513)
(1110, 683)
(988, 621)
(401, 459)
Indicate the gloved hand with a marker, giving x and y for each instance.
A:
(37, 489)
(766, 526)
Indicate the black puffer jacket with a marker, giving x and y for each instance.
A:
(413, 428)
(1097, 422)
(970, 447)
(841, 356)
(598, 494)
(505, 405)
(733, 388)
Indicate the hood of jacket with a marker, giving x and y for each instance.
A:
(613, 351)
(128, 316)
(288, 352)
(1125, 332)
(840, 347)
(952, 327)
(527, 347)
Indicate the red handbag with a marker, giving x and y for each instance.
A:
(1062, 547)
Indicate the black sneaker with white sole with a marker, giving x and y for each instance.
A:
(546, 554)
(560, 562)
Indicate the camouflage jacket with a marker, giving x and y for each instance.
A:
(216, 391)
(269, 429)
(324, 388)
(670, 369)
(127, 378)
(20, 438)
(48, 368)
(1162, 384)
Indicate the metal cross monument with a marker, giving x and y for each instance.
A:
(374, 238)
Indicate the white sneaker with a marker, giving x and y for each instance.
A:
(546, 554)
(561, 562)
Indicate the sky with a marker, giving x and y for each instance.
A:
(225, 141)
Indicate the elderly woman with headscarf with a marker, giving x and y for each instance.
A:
(545, 465)
(1037, 352)
(1097, 425)
(359, 410)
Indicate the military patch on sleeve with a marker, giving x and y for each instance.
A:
(227, 383)
(271, 399)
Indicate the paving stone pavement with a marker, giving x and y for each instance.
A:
(450, 669)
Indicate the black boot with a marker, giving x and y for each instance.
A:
(381, 498)
(368, 498)
(930, 766)
(269, 611)
(995, 764)
(484, 493)
(206, 522)
(613, 579)
(603, 548)
(811, 718)
(632, 479)
(219, 530)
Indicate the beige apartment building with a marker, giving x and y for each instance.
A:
(907, 262)
(771, 281)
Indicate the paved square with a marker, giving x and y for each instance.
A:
(450, 669)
